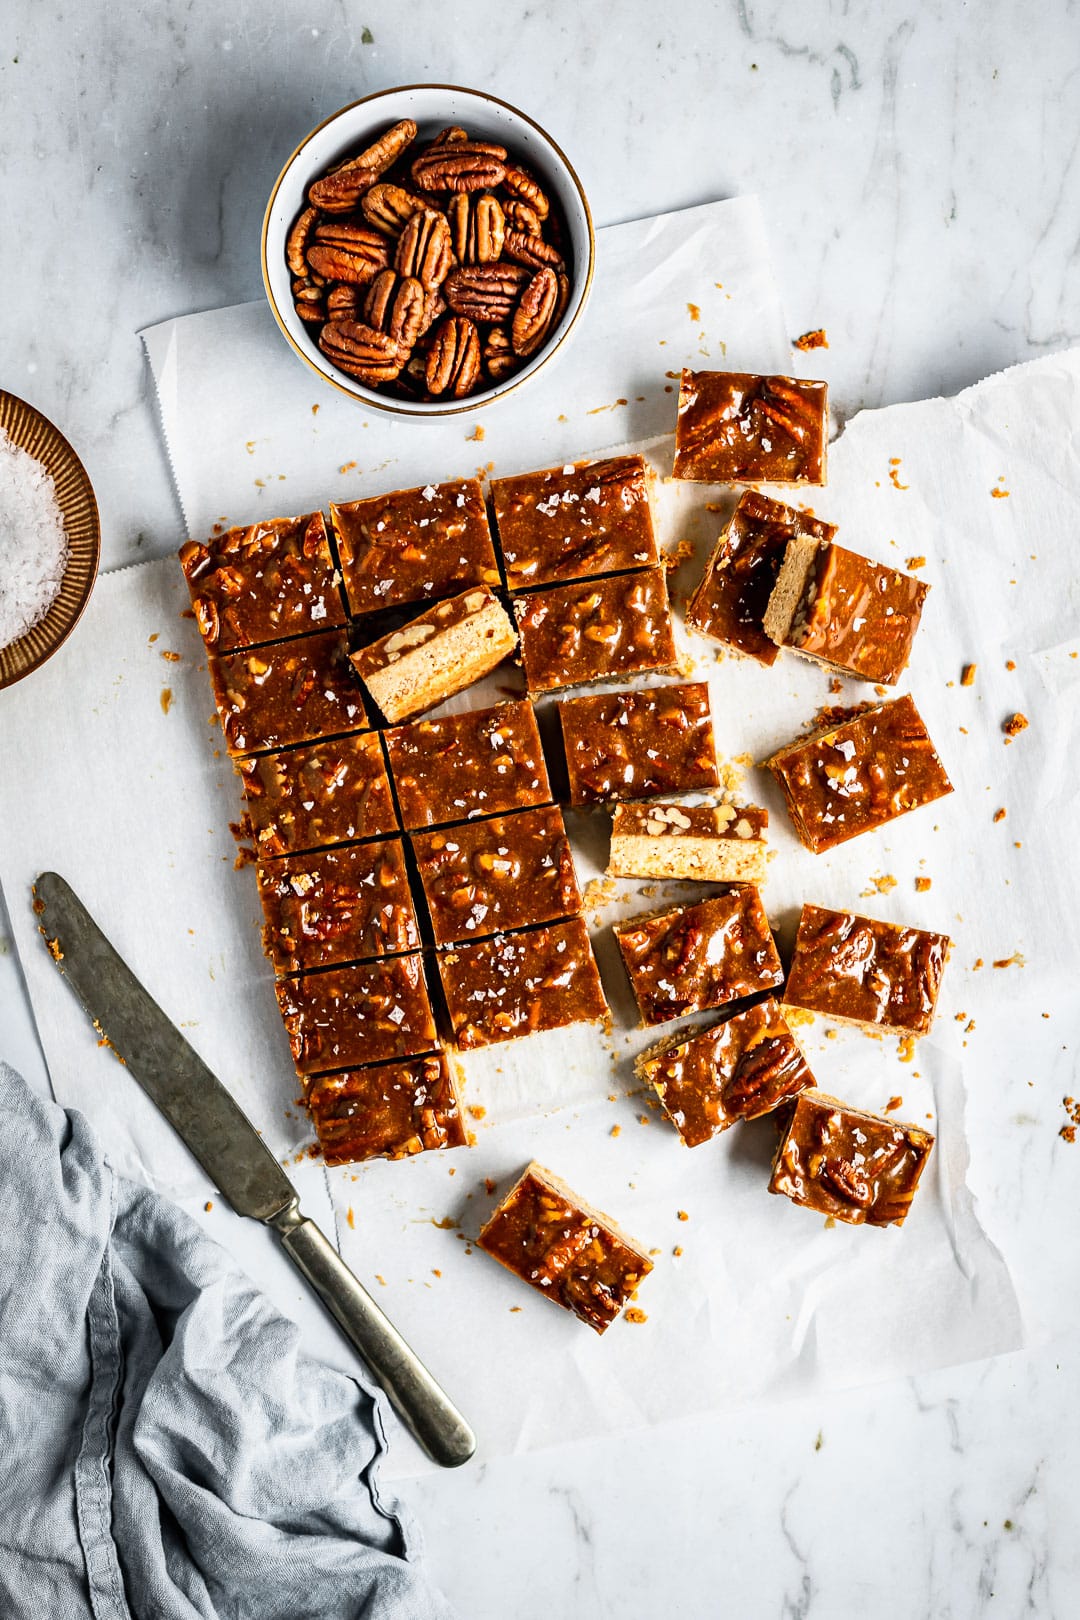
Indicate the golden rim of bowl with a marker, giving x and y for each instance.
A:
(35, 434)
(467, 404)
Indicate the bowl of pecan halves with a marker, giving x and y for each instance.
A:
(427, 249)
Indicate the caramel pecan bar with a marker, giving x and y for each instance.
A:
(517, 984)
(862, 971)
(692, 957)
(428, 660)
(480, 763)
(288, 692)
(630, 745)
(844, 611)
(387, 1111)
(738, 1069)
(337, 905)
(564, 1248)
(575, 522)
(601, 630)
(263, 583)
(707, 843)
(325, 793)
(737, 428)
(498, 874)
(852, 1166)
(350, 1016)
(414, 545)
(854, 776)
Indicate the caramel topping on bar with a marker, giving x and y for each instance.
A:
(350, 1016)
(729, 604)
(859, 774)
(337, 905)
(630, 745)
(849, 612)
(388, 1111)
(865, 971)
(414, 545)
(605, 629)
(545, 1235)
(325, 793)
(693, 957)
(517, 984)
(289, 692)
(853, 1166)
(263, 583)
(737, 428)
(482, 762)
(575, 522)
(502, 873)
(739, 1069)
(734, 821)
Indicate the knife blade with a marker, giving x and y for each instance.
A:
(222, 1138)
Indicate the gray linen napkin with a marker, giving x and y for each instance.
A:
(166, 1448)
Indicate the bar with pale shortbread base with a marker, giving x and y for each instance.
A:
(388, 1110)
(440, 653)
(705, 843)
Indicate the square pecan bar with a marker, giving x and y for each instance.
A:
(414, 545)
(431, 658)
(729, 605)
(741, 1068)
(859, 970)
(387, 1111)
(337, 905)
(498, 874)
(855, 1167)
(480, 763)
(630, 745)
(263, 583)
(324, 793)
(705, 843)
(575, 522)
(565, 1249)
(690, 958)
(844, 611)
(351, 1016)
(855, 775)
(287, 692)
(603, 629)
(516, 984)
(737, 428)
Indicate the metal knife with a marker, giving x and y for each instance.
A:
(232, 1153)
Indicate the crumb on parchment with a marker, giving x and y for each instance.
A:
(812, 340)
(967, 675)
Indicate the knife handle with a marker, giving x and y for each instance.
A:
(423, 1405)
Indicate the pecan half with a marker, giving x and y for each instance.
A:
(460, 166)
(424, 249)
(848, 1181)
(370, 356)
(450, 136)
(339, 192)
(453, 362)
(389, 146)
(343, 302)
(379, 297)
(477, 227)
(308, 301)
(535, 313)
(499, 356)
(485, 292)
(343, 252)
(390, 208)
(522, 216)
(531, 250)
(298, 239)
(520, 183)
(406, 318)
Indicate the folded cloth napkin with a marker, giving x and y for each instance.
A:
(166, 1448)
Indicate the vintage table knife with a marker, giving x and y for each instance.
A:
(231, 1151)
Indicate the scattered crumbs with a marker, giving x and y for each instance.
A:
(1014, 725)
(832, 1034)
(798, 1015)
(54, 949)
(677, 1251)
(561, 418)
(967, 675)
(477, 434)
(435, 1272)
(489, 1185)
(894, 473)
(598, 891)
(681, 552)
(893, 1104)
(171, 657)
(350, 1219)
(643, 1119)
(998, 492)
(1015, 960)
(250, 447)
(477, 1111)
(596, 410)
(830, 1223)
(922, 884)
(963, 729)
(636, 1315)
(694, 312)
(820, 1441)
(812, 340)
(208, 1206)
(514, 1308)
(654, 1251)
(379, 1278)
(1010, 664)
(1017, 844)
(969, 1026)
(916, 562)
(882, 883)
(905, 1050)
(314, 410)
(682, 1215)
(977, 964)
(1072, 1108)
(260, 483)
(447, 1224)
(616, 1130)
(166, 699)
(349, 466)
(882, 691)
(960, 1016)
(836, 686)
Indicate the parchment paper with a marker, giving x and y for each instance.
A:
(763, 1302)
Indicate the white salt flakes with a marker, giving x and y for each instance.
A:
(33, 545)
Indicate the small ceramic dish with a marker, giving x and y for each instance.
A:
(35, 434)
(432, 107)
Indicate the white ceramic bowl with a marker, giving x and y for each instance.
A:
(432, 107)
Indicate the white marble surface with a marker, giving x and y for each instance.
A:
(919, 170)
